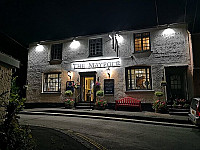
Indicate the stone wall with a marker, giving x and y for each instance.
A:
(168, 47)
(5, 84)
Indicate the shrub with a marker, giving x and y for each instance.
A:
(186, 105)
(160, 106)
(69, 102)
(101, 103)
(159, 94)
(68, 93)
(100, 93)
(12, 135)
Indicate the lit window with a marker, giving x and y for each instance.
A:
(142, 42)
(52, 82)
(95, 47)
(138, 78)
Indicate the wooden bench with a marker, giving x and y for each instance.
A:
(128, 102)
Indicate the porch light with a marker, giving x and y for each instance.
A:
(69, 74)
(75, 44)
(39, 48)
(168, 32)
(108, 72)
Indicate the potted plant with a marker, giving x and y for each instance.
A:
(160, 106)
(159, 94)
(101, 104)
(97, 86)
(180, 103)
(69, 103)
(100, 93)
(174, 105)
(68, 93)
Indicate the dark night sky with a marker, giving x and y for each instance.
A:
(34, 20)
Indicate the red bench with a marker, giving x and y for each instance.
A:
(128, 102)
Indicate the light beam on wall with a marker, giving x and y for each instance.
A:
(39, 48)
(168, 32)
(75, 44)
(120, 38)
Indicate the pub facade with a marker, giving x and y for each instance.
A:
(134, 63)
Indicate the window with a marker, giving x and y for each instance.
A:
(95, 47)
(142, 42)
(175, 81)
(52, 82)
(56, 52)
(138, 78)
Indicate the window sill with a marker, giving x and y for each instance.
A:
(138, 91)
(53, 93)
(95, 56)
(142, 54)
(55, 61)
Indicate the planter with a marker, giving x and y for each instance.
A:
(69, 103)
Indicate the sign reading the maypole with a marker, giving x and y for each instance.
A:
(93, 64)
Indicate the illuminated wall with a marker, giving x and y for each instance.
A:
(169, 47)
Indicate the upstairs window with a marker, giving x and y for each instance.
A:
(138, 78)
(142, 42)
(56, 51)
(52, 82)
(95, 47)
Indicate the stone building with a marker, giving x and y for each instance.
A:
(126, 63)
(7, 63)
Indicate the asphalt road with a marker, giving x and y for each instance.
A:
(119, 135)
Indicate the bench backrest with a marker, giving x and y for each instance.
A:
(128, 100)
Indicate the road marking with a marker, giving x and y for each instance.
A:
(116, 118)
(85, 138)
(97, 145)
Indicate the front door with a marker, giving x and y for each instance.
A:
(176, 83)
(87, 92)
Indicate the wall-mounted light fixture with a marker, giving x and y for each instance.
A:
(75, 44)
(168, 32)
(69, 75)
(108, 72)
(39, 47)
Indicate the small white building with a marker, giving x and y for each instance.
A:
(126, 63)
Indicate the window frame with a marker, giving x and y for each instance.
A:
(44, 83)
(141, 38)
(89, 43)
(146, 77)
(53, 49)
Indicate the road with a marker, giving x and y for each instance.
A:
(119, 135)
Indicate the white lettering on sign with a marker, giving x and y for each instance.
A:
(91, 64)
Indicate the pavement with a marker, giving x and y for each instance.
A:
(142, 117)
(61, 140)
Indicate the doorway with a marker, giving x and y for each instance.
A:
(88, 89)
(176, 83)
(87, 92)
